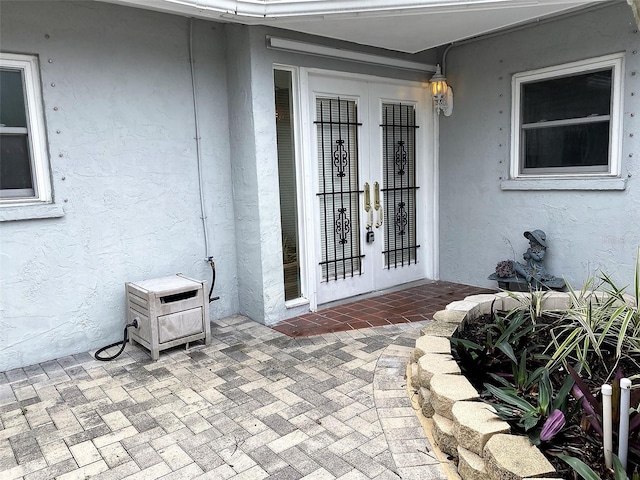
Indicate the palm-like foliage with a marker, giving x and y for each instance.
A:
(598, 325)
(598, 335)
(532, 303)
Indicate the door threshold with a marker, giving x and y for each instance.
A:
(376, 293)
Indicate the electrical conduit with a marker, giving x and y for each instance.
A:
(196, 121)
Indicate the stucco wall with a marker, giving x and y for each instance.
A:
(586, 229)
(248, 186)
(123, 164)
(258, 210)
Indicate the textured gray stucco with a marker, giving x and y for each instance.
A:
(248, 186)
(586, 230)
(123, 164)
(118, 107)
(255, 160)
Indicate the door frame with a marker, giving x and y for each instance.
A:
(304, 165)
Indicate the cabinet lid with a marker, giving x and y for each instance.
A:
(168, 285)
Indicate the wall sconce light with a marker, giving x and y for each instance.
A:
(442, 93)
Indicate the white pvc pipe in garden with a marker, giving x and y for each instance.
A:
(623, 433)
(607, 391)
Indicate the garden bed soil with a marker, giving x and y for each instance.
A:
(577, 438)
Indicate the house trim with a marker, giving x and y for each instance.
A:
(565, 184)
(330, 52)
(251, 11)
(11, 213)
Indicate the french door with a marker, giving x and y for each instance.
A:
(371, 182)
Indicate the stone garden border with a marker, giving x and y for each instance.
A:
(464, 427)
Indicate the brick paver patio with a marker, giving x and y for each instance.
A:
(414, 304)
(253, 404)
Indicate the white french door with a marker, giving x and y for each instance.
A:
(371, 168)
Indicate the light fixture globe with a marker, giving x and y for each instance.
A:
(438, 83)
(441, 92)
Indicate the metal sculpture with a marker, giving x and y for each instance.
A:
(532, 273)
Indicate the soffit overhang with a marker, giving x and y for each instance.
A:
(401, 25)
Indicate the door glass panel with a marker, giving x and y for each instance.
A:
(337, 128)
(287, 180)
(399, 170)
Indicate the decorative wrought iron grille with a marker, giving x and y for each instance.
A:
(399, 167)
(337, 125)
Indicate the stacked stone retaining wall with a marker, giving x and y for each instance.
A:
(464, 427)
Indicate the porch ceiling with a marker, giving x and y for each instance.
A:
(403, 25)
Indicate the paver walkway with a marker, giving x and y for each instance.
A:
(253, 404)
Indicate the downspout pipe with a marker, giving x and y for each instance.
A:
(444, 57)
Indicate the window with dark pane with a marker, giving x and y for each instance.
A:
(12, 101)
(399, 188)
(338, 195)
(15, 166)
(585, 145)
(16, 175)
(570, 97)
(566, 123)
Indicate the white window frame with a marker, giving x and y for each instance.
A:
(36, 132)
(304, 210)
(616, 63)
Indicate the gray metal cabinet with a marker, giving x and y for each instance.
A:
(170, 310)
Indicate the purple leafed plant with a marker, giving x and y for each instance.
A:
(552, 425)
(504, 269)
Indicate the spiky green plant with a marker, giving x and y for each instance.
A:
(596, 325)
(532, 304)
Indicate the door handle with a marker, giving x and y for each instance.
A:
(367, 197)
(367, 205)
(376, 204)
